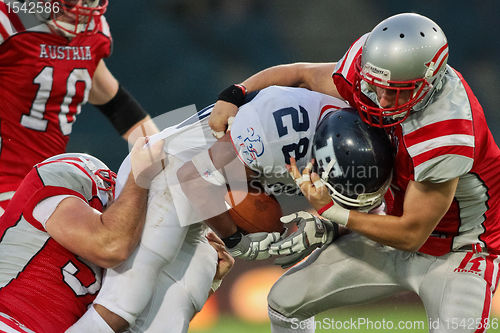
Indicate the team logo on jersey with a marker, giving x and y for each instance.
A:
(251, 145)
(65, 52)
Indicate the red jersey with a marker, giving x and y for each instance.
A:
(449, 138)
(44, 80)
(42, 285)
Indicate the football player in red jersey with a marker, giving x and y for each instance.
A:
(440, 237)
(51, 63)
(58, 233)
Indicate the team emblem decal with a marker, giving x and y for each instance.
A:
(251, 146)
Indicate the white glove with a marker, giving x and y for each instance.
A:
(312, 232)
(254, 246)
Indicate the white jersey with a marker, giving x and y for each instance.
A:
(277, 124)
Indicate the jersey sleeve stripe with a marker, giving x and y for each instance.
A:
(447, 127)
(351, 54)
(6, 29)
(11, 325)
(105, 27)
(447, 150)
(45, 192)
(441, 141)
(3, 35)
(16, 21)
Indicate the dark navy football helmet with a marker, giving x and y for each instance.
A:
(353, 159)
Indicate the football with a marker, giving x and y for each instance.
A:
(254, 210)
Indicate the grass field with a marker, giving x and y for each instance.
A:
(402, 318)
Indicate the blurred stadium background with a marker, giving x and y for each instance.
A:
(173, 53)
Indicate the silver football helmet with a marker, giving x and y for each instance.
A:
(103, 178)
(406, 52)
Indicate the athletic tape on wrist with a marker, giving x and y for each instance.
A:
(318, 183)
(336, 213)
(207, 170)
(218, 134)
(325, 207)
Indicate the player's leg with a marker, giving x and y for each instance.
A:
(350, 271)
(182, 288)
(90, 319)
(457, 291)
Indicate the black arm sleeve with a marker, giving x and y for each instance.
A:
(123, 110)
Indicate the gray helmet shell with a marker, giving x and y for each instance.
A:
(405, 47)
(99, 172)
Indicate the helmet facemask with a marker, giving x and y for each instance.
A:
(362, 201)
(105, 180)
(366, 81)
(74, 17)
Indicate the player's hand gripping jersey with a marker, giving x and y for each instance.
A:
(42, 285)
(44, 80)
(449, 138)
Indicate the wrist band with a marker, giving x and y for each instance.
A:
(325, 207)
(123, 110)
(234, 94)
(336, 213)
(232, 240)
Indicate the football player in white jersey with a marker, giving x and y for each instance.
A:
(169, 277)
(442, 230)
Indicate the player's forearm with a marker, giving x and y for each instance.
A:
(144, 127)
(289, 75)
(124, 220)
(312, 76)
(390, 230)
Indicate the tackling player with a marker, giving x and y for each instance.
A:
(52, 64)
(440, 237)
(57, 233)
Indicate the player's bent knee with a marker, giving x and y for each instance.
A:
(283, 301)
